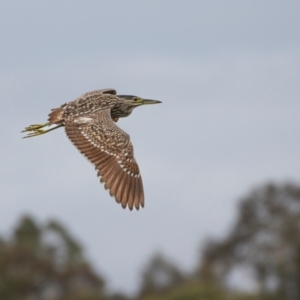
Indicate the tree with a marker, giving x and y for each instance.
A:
(45, 262)
(265, 239)
(159, 276)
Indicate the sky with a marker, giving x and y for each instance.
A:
(228, 75)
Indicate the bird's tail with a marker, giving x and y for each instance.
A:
(56, 116)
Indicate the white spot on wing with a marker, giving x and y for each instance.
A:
(82, 120)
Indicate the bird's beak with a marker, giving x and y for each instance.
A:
(148, 101)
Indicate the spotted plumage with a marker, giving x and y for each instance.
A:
(89, 123)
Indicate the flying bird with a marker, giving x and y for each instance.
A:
(89, 123)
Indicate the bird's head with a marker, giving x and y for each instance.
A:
(136, 101)
(128, 103)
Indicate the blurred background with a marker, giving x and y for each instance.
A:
(220, 158)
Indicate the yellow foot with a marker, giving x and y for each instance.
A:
(35, 127)
(35, 130)
(35, 133)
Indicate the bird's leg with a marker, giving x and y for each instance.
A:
(35, 127)
(38, 131)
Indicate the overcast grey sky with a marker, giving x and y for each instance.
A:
(228, 73)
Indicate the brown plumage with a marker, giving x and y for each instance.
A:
(89, 123)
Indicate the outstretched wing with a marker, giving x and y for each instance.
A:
(109, 148)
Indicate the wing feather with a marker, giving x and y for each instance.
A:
(109, 148)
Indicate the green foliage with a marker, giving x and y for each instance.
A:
(33, 268)
(265, 239)
(189, 291)
(160, 275)
(192, 290)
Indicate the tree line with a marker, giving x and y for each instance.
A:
(44, 262)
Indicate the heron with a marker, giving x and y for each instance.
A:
(90, 124)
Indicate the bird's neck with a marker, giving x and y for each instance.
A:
(120, 111)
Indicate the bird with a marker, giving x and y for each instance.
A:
(90, 124)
